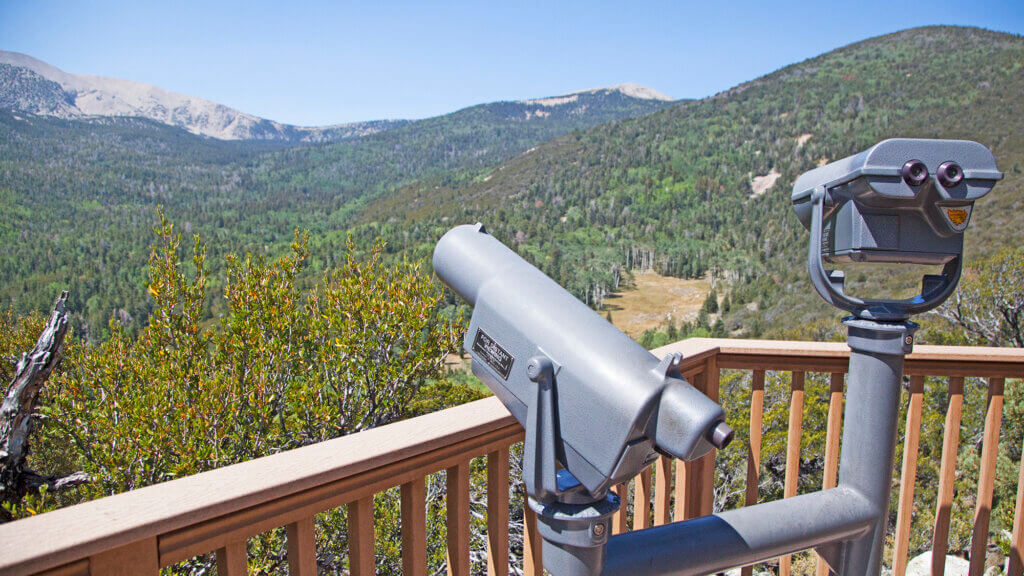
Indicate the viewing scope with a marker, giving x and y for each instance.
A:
(592, 401)
(900, 201)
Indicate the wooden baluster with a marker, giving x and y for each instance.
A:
(533, 564)
(947, 475)
(414, 528)
(662, 491)
(302, 548)
(1017, 538)
(140, 558)
(707, 478)
(833, 436)
(796, 418)
(642, 500)
(754, 450)
(684, 506)
(912, 436)
(695, 480)
(986, 476)
(458, 519)
(833, 431)
(694, 470)
(619, 524)
(497, 513)
(232, 560)
(361, 560)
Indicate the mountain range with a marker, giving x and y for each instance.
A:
(33, 86)
(587, 186)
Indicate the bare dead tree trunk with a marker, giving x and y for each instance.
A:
(32, 371)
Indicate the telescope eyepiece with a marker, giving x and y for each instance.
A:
(914, 172)
(721, 435)
(950, 174)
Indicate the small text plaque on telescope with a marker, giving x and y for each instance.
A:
(493, 354)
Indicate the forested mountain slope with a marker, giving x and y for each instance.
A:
(78, 197)
(705, 186)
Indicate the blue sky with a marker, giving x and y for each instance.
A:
(325, 62)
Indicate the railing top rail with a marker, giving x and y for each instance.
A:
(68, 534)
(705, 346)
(832, 357)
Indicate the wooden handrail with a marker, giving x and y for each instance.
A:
(206, 511)
(217, 511)
(790, 355)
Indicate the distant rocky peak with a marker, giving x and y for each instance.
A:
(632, 90)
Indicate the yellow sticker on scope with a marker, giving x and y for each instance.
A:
(956, 215)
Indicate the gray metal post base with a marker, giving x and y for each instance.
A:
(574, 535)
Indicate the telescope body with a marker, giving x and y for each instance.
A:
(615, 404)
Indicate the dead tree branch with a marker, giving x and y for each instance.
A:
(16, 412)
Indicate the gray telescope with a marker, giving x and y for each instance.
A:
(596, 406)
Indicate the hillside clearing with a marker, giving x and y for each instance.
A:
(654, 299)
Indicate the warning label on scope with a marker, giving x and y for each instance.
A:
(492, 353)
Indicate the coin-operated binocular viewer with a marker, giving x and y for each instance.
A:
(598, 408)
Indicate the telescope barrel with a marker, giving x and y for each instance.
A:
(617, 404)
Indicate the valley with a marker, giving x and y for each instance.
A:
(653, 300)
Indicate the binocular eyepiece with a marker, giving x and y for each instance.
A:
(915, 173)
(900, 201)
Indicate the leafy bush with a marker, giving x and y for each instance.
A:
(286, 366)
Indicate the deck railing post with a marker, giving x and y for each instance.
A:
(1016, 567)
(458, 519)
(793, 437)
(986, 476)
(302, 548)
(642, 500)
(947, 475)
(414, 528)
(533, 562)
(754, 449)
(361, 545)
(497, 512)
(833, 431)
(912, 437)
(232, 559)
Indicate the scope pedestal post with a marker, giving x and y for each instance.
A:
(870, 423)
(573, 525)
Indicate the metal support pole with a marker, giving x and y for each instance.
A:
(877, 350)
(740, 537)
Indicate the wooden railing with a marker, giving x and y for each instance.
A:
(141, 531)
